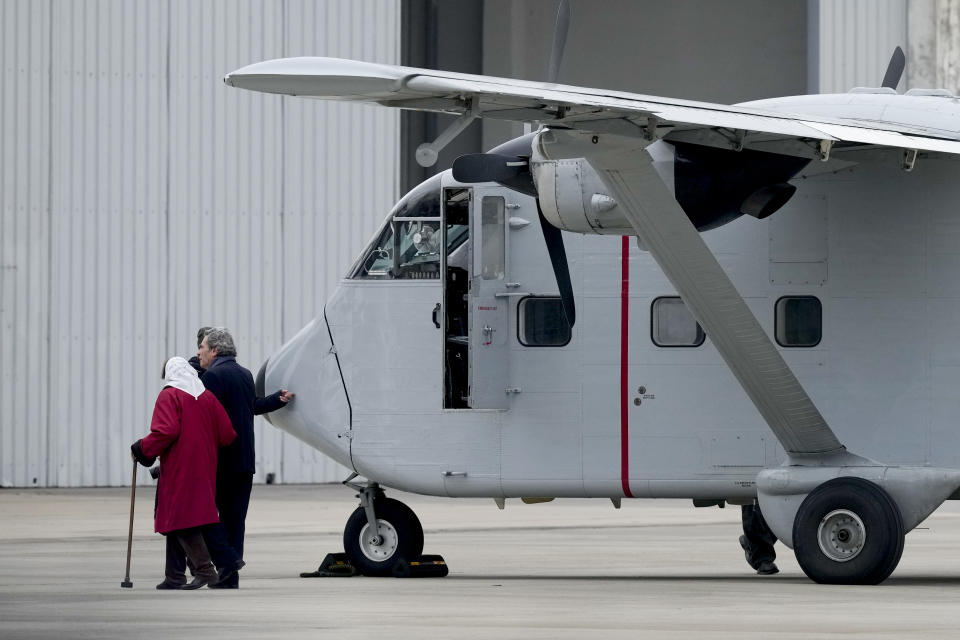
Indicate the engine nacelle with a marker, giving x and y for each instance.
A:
(713, 186)
(573, 198)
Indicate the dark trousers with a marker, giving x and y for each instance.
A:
(760, 539)
(233, 498)
(221, 552)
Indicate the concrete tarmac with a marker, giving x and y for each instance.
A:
(565, 569)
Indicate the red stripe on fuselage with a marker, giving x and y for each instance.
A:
(624, 391)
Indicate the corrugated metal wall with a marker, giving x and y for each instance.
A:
(933, 39)
(853, 41)
(25, 268)
(142, 198)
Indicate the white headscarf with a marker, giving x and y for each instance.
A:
(180, 375)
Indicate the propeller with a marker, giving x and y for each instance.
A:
(561, 270)
(559, 40)
(510, 171)
(895, 69)
(509, 165)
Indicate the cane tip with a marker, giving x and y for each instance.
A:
(126, 584)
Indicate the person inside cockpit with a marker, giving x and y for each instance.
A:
(426, 240)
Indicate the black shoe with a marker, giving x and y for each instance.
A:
(767, 569)
(200, 581)
(166, 584)
(226, 575)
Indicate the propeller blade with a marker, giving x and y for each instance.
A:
(895, 69)
(488, 167)
(510, 171)
(559, 40)
(561, 270)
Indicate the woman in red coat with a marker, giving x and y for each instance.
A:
(188, 427)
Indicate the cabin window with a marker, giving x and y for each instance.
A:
(798, 321)
(672, 324)
(542, 323)
(407, 247)
(492, 238)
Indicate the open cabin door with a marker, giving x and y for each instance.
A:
(489, 307)
(476, 309)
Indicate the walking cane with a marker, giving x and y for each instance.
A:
(126, 584)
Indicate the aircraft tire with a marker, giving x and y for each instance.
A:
(401, 532)
(848, 531)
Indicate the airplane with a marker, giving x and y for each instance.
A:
(723, 304)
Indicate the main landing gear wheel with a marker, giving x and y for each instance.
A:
(848, 531)
(399, 536)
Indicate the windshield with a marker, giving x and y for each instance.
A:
(408, 244)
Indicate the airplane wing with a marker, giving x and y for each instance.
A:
(594, 110)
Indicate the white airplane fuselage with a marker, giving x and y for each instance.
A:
(611, 413)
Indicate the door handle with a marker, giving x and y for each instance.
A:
(436, 311)
(488, 334)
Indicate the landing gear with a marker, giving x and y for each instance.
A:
(381, 533)
(848, 531)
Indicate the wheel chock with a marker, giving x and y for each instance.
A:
(334, 565)
(423, 567)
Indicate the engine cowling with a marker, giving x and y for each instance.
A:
(713, 186)
(573, 198)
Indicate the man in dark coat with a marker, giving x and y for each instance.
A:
(233, 387)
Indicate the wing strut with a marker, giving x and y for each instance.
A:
(627, 170)
(428, 152)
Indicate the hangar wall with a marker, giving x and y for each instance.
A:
(725, 51)
(721, 51)
(851, 43)
(852, 40)
(142, 198)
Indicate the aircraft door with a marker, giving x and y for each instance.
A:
(489, 306)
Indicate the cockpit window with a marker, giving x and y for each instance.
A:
(408, 245)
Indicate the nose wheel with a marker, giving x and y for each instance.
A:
(380, 533)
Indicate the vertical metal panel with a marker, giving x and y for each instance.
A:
(142, 198)
(856, 39)
(109, 242)
(24, 240)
